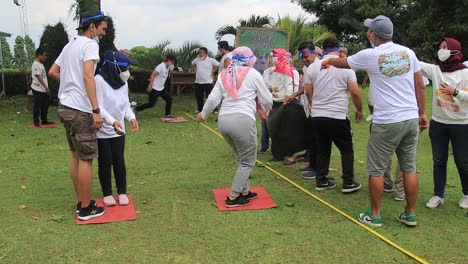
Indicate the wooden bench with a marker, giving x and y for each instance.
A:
(180, 80)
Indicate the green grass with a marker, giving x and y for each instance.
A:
(180, 224)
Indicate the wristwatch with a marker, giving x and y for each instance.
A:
(455, 93)
(96, 111)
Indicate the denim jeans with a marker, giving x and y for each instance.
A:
(440, 135)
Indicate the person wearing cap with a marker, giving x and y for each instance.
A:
(449, 122)
(223, 48)
(79, 108)
(156, 87)
(328, 91)
(112, 94)
(399, 99)
(205, 69)
(237, 90)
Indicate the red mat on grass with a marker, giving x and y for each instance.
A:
(113, 214)
(178, 119)
(263, 201)
(56, 123)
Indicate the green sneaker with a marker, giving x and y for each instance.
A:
(370, 220)
(407, 219)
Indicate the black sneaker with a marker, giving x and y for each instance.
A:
(325, 185)
(349, 188)
(250, 195)
(239, 201)
(309, 175)
(306, 169)
(78, 205)
(388, 188)
(264, 150)
(170, 117)
(90, 212)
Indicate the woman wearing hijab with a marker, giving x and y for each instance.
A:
(286, 120)
(449, 117)
(112, 94)
(237, 89)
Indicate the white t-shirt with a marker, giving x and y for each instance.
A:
(72, 91)
(204, 69)
(466, 63)
(160, 79)
(223, 60)
(114, 105)
(447, 109)
(391, 69)
(297, 81)
(309, 74)
(252, 87)
(38, 68)
(280, 84)
(330, 98)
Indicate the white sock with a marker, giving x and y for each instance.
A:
(109, 201)
(123, 199)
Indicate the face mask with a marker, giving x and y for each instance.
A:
(443, 54)
(124, 76)
(95, 36)
(171, 67)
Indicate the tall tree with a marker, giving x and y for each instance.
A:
(79, 7)
(20, 58)
(6, 53)
(147, 58)
(252, 21)
(30, 49)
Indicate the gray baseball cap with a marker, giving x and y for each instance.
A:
(382, 26)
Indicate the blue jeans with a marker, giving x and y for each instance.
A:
(265, 136)
(440, 135)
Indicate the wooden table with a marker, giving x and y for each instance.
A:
(179, 80)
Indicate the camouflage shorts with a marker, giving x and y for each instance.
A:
(81, 135)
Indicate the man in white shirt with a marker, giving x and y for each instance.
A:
(205, 69)
(156, 87)
(78, 110)
(40, 89)
(328, 90)
(223, 47)
(400, 113)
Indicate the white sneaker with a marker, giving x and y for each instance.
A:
(369, 118)
(435, 202)
(109, 201)
(464, 202)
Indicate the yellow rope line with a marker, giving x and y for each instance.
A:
(352, 219)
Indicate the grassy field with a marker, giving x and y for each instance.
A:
(175, 167)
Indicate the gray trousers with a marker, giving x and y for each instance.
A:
(240, 132)
(397, 183)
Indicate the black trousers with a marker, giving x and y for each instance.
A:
(153, 98)
(41, 106)
(312, 144)
(111, 156)
(328, 131)
(202, 90)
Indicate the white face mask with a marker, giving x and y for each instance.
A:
(443, 54)
(171, 67)
(95, 36)
(124, 76)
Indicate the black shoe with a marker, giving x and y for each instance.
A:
(264, 150)
(37, 125)
(309, 175)
(170, 116)
(47, 123)
(349, 188)
(388, 188)
(90, 212)
(305, 169)
(78, 205)
(239, 201)
(325, 185)
(250, 195)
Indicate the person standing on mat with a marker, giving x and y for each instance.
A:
(156, 87)
(40, 89)
(79, 109)
(400, 114)
(112, 94)
(205, 69)
(237, 88)
(327, 91)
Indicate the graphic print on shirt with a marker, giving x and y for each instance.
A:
(394, 64)
(447, 102)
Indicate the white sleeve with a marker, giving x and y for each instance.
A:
(266, 77)
(360, 61)
(428, 70)
(101, 94)
(214, 62)
(351, 76)
(59, 60)
(158, 68)
(297, 81)
(214, 99)
(194, 62)
(91, 52)
(289, 82)
(36, 70)
(129, 115)
(263, 94)
(311, 73)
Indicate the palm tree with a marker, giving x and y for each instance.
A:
(252, 21)
(185, 54)
(147, 58)
(81, 6)
(300, 30)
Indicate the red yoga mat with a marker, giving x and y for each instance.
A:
(54, 124)
(263, 201)
(178, 119)
(113, 213)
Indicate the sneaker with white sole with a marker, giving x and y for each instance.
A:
(399, 198)
(435, 202)
(370, 220)
(325, 185)
(90, 212)
(407, 219)
(349, 188)
(464, 202)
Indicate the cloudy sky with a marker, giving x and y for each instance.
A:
(147, 22)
